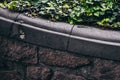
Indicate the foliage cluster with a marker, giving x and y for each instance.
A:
(96, 12)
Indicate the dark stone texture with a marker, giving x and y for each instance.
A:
(6, 65)
(10, 75)
(61, 59)
(63, 76)
(9, 66)
(105, 70)
(52, 64)
(18, 51)
(40, 36)
(38, 73)
(84, 71)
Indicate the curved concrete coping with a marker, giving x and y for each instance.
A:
(96, 33)
(59, 35)
(8, 14)
(46, 24)
(96, 48)
(95, 42)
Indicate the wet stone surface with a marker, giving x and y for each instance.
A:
(106, 70)
(64, 76)
(18, 51)
(61, 59)
(25, 61)
(10, 75)
(38, 73)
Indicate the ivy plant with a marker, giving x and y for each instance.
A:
(105, 13)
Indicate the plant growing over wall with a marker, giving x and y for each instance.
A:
(96, 12)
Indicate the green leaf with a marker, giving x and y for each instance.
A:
(2, 5)
(12, 4)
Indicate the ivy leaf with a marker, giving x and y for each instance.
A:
(2, 5)
(12, 4)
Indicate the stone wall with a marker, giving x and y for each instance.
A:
(25, 61)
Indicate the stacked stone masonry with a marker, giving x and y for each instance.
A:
(25, 61)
